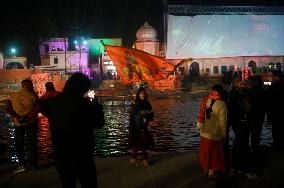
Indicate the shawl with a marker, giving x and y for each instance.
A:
(214, 95)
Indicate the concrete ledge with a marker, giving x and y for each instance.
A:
(166, 170)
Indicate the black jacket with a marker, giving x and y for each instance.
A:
(139, 135)
(72, 121)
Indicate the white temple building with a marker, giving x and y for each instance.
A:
(147, 40)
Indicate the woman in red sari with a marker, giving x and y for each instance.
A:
(212, 124)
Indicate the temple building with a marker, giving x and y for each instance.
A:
(147, 41)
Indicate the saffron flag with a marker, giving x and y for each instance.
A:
(134, 65)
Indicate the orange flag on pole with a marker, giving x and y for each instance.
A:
(134, 65)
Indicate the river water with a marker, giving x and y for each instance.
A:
(173, 129)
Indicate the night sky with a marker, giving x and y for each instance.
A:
(24, 22)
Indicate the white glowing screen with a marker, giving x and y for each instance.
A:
(204, 36)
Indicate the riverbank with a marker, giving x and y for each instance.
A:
(166, 171)
(123, 95)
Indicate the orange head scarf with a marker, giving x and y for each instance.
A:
(214, 95)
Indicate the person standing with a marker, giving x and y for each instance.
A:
(49, 91)
(212, 125)
(140, 138)
(255, 119)
(275, 104)
(72, 118)
(24, 110)
(241, 107)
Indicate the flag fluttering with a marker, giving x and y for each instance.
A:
(134, 65)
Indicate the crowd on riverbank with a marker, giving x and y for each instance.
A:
(223, 178)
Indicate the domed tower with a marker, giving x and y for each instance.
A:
(147, 40)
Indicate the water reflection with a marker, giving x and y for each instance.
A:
(173, 129)
(173, 125)
(112, 139)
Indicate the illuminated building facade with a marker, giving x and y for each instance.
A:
(106, 65)
(54, 54)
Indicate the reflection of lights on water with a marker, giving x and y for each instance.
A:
(114, 102)
(173, 130)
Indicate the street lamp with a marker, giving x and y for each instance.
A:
(79, 45)
(13, 51)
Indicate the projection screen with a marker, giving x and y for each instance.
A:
(210, 36)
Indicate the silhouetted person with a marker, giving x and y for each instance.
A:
(72, 119)
(240, 106)
(226, 145)
(248, 105)
(275, 105)
(49, 91)
(24, 111)
(255, 118)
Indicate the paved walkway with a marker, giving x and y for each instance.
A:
(166, 171)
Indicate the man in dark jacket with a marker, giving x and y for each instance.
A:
(72, 119)
(255, 118)
(275, 104)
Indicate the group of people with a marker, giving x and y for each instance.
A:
(24, 106)
(72, 118)
(243, 109)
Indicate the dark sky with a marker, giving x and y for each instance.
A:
(30, 20)
(24, 22)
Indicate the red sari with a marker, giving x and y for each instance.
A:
(211, 151)
(211, 154)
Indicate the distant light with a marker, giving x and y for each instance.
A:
(91, 94)
(13, 50)
(75, 41)
(267, 83)
(84, 42)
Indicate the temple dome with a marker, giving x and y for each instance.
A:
(146, 33)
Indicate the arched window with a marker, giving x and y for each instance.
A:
(55, 60)
(194, 69)
(14, 65)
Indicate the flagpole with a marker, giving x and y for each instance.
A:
(180, 63)
(129, 93)
(102, 42)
